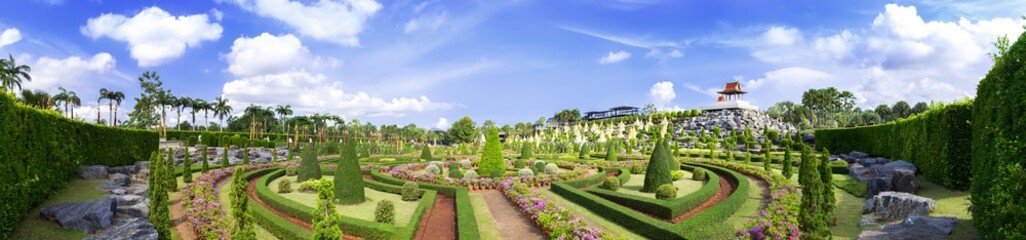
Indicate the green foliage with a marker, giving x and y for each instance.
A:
(245, 155)
(666, 192)
(411, 192)
(526, 172)
(611, 183)
(638, 169)
(224, 158)
(767, 160)
(936, 141)
(659, 167)
(519, 163)
(160, 214)
(585, 151)
(385, 212)
(291, 171)
(187, 167)
(539, 166)
(826, 176)
(613, 150)
(309, 168)
(206, 163)
(698, 174)
(326, 221)
(169, 166)
(788, 169)
(425, 153)
(348, 178)
(454, 170)
(811, 216)
(40, 150)
(491, 158)
(527, 151)
(998, 126)
(285, 186)
(677, 175)
(463, 131)
(243, 227)
(551, 168)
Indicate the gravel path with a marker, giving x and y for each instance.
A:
(440, 221)
(512, 224)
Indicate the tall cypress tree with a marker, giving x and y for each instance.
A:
(527, 151)
(187, 167)
(348, 179)
(170, 178)
(160, 214)
(766, 145)
(788, 170)
(827, 178)
(224, 157)
(245, 155)
(243, 228)
(309, 168)
(206, 163)
(326, 222)
(811, 218)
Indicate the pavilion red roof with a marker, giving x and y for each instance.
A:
(732, 88)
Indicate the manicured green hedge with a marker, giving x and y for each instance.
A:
(278, 226)
(696, 227)
(217, 139)
(466, 223)
(936, 141)
(351, 226)
(662, 208)
(589, 180)
(40, 150)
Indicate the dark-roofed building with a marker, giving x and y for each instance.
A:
(611, 113)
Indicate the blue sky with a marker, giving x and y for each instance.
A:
(431, 62)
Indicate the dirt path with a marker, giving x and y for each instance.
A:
(251, 190)
(178, 221)
(726, 188)
(512, 224)
(439, 222)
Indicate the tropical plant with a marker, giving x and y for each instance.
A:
(221, 109)
(12, 74)
(385, 212)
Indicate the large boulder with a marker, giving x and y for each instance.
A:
(898, 205)
(137, 210)
(93, 172)
(128, 229)
(126, 170)
(877, 185)
(118, 179)
(902, 165)
(87, 215)
(943, 224)
(860, 172)
(915, 231)
(904, 180)
(858, 155)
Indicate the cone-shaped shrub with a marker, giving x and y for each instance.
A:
(658, 172)
(169, 177)
(613, 150)
(767, 162)
(585, 151)
(206, 162)
(224, 157)
(491, 158)
(309, 168)
(245, 155)
(454, 170)
(827, 178)
(788, 170)
(160, 214)
(811, 218)
(243, 228)
(348, 182)
(527, 152)
(187, 167)
(425, 153)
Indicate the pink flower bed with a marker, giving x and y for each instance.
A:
(780, 218)
(408, 172)
(199, 199)
(558, 222)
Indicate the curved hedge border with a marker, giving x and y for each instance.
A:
(663, 208)
(696, 227)
(466, 223)
(353, 226)
(281, 228)
(937, 141)
(40, 150)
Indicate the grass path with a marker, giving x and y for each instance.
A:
(591, 217)
(950, 203)
(485, 224)
(33, 226)
(757, 199)
(223, 196)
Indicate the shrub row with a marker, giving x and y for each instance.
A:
(224, 139)
(466, 223)
(696, 227)
(40, 150)
(662, 208)
(936, 141)
(278, 226)
(350, 226)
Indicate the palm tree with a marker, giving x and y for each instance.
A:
(11, 74)
(38, 99)
(284, 111)
(62, 97)
(162, 99)
(193, 102)
(74, 101)
(179, 105)
(103, 95)
(115, 97)
(202, 105)
(221, 110)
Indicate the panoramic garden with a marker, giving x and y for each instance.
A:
(175, 166)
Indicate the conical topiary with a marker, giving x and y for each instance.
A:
(585, 151)
(309, 168)
(658, 172)
(348, 179)
(491, 159)
(425, 154)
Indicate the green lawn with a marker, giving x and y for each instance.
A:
(848, 212)
(750, 209)
(485, 224)
(403, 209)
(225, 200)
(950, 203)
(585, 213)
(33, 226)
(181, 181)
(684, 186)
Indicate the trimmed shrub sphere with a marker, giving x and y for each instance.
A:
(698, 174)
(470, 174)
(666, 192)
(385, 212)
(285, 186)
(677, 175)
(410, 191)
(466, 163)
(638, 169)
(525, 172)
(611, 183)
(433, 169)
(551, 168)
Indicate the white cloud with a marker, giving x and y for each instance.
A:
(10, 36)
(426, 23)
(217, 14)
(900, 56)
(614, 57)
(267, 53)
(153, 35)
(335, 21)
(662, 92)
(310, 93)
(782, 36)
(442, 123)
(659, 49)
(73, 71)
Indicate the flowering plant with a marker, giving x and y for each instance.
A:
(558, 222)
(780, 218)
(201, 206)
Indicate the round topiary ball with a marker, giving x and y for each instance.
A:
(411, 191)
(698, 174)
(433, 169)
(611, 183)
(470, 174)
(539, 165)
(638, 169)
(385, 212)
(525, 172)
(466, 163)
(677, 175)
(551, 168)
(666, 192)
(285, 186)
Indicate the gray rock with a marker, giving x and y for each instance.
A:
(92, 172)
(118, 191)
(141, 165)
(871, 161)
(137, 210)
(904, 180)
(857, 154)
(902, 165)
(917, 231)
(943, 224)
(87, 215)
(119, 179)
(137, 189)
(129, 199)
(898, 205)
(877, 185)
(809, 138)
(860, 172)
(129, 228)
(126, 170)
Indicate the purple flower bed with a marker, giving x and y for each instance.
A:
(202, 209)
(780, 218)
(408, 172)
(558, 222)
